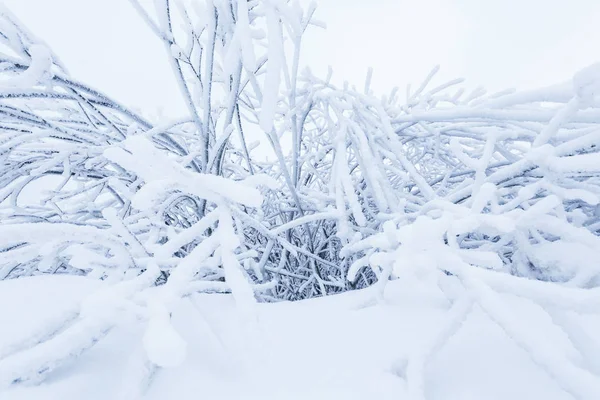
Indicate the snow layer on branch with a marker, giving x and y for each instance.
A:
(234, 275)
(245, 37)
(163, 174)
(274, 66)
(38, 71)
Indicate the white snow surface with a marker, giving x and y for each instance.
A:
(42, 304)
(348, 346)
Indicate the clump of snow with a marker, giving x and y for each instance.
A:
(160, 173)
(38, 71)
(164, 346)
(586, 83)
(566, 261)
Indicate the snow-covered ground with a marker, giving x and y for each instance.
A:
(349, 346)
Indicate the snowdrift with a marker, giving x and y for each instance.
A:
(346, 346)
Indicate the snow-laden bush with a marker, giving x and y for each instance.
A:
(439, 186)
(347, 164)
(54, 126)
(520, 195)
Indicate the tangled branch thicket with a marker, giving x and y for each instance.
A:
(496, 192)
(362, 189)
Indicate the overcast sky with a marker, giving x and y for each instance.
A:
(494, 43)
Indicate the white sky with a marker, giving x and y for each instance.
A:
(494, 43)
